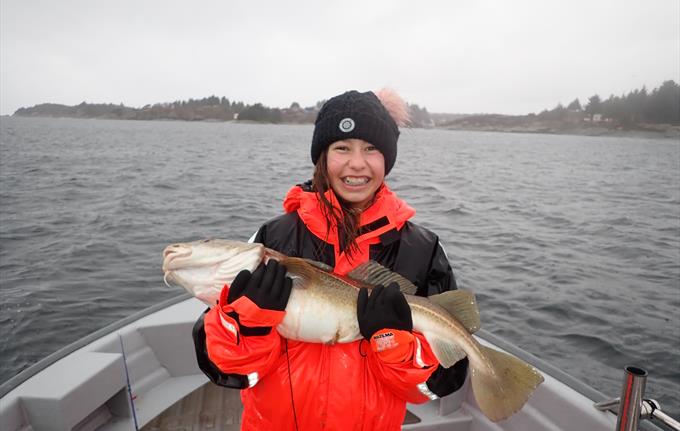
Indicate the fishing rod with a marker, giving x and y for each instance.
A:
(127, 380)
(290, 383)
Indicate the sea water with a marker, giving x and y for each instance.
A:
(571, 243)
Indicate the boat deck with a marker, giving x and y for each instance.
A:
(208, 408)
(211, 408)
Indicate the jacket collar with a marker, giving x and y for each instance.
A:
(386, 214)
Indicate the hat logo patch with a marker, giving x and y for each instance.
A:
(346, 125)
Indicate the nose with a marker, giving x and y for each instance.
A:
(356, 159)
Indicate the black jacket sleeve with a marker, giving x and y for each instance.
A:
(440, 278)
(445, 381)
(216, 376)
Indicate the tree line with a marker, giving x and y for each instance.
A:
(209, 108)
(660, 106)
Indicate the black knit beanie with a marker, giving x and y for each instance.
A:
(360, 116)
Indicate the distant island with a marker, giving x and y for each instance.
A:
(208, 109)
(639, 113)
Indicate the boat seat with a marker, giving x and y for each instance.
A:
(78, 385)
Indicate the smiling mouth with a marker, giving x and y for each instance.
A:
(355, 181)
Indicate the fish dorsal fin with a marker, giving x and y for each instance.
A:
(462, 305)
(372, 272)
(301, 269)
(322, 266)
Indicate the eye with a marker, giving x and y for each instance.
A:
(370, 148)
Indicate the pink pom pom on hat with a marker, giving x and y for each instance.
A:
(395, 106)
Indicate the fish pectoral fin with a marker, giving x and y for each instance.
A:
(301, 269)
(298, 282)
(372, 272)
(462, 305)
(446, 352)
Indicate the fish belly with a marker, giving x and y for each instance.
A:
(313, 318)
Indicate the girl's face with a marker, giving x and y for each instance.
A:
(356, 169)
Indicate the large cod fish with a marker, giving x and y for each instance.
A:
(322, 309)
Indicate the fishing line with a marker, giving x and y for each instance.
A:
(290, 384)
(127, 379)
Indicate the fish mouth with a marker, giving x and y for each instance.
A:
(172, 253)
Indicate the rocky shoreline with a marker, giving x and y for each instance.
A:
(669, 132)
(573, 125)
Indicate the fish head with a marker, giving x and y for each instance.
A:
(204, 267)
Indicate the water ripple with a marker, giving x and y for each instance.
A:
(572, 244)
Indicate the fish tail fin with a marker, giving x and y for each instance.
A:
(505, 387)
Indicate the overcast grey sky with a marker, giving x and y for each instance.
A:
(511, 57)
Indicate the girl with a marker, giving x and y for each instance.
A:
(345, 216)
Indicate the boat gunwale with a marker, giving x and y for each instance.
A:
(14, 382)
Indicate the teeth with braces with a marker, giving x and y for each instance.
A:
(355, 181)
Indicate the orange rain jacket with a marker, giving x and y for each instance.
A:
(306, 386)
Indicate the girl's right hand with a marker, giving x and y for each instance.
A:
(259, 300)
(268, 287)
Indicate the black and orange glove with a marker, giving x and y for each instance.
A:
(385, 320)
(259, 299)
